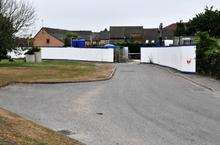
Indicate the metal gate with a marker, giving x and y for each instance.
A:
(134, 52)
(125, 55)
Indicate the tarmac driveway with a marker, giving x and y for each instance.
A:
(141, 105)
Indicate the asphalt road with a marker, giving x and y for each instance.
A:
(141, 105)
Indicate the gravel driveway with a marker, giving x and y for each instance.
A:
(141, 105)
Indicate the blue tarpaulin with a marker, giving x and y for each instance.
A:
(110, 46)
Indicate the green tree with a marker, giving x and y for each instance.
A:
(6, 37)
(206, 21)
(15, 16)
(208, 54)
(21, 13)
(69, 37)
(180, 29)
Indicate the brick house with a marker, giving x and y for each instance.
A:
(100, 38)
(23, 42)
(127, 33)
(50, 37)
(151, 35)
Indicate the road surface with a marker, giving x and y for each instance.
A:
(141, 105)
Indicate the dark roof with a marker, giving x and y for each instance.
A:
(95, 36)
(151, 34)
(174, 26)
(168, 33)
(61, 34)
(103, 35)
(23, 42)
(171, 26)
(120, 32)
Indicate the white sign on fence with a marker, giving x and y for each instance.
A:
(182, 58)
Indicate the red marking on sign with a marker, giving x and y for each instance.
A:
(189, 61)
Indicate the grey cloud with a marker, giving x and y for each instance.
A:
(97, 14)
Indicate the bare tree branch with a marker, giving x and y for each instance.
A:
(20, 13)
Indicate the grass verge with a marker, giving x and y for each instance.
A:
(15, 130)
(52, 71)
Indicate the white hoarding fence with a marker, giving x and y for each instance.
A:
(19, 53)
(84, 54)
(182, 58)
(70, 53)
(125, 53)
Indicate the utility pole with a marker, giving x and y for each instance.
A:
(161, 34)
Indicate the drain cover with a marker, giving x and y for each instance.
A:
(65, 132)
(99, 113)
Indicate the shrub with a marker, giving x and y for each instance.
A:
(216, 70)
(208, 54)
(69, 37)
(134, 48)
(32, 50)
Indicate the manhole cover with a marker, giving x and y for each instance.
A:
(65, 132)
(99, 113)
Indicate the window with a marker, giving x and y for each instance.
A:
(48, 41)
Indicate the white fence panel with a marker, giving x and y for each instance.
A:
(70, 53)
(182, 58)
(84, 54)
(189, 59)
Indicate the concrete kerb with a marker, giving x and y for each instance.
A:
(5, 85)
(178, 73)
(196, 82)
(110, 76)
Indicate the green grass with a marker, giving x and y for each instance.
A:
(47, 63)
(51, 71)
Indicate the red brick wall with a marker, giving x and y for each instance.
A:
(41, 40)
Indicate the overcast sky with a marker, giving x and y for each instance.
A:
(96, 15)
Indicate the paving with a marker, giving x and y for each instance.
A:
(207, 81)
(140, 105)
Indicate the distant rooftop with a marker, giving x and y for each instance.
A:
(122, 31)
(61, 33)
